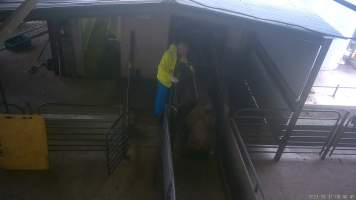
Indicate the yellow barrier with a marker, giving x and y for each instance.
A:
(23, 142)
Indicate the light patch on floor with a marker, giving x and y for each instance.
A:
(344, 76)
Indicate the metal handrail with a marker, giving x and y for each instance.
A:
(121, 145)
(44, 105)
(167, 160)
(110, 134)
(336, 88)
(116, 122)
(326, 136)
(257, 186)
(338, 112)
(342, 130)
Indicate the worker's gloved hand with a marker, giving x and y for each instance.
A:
(175, 80)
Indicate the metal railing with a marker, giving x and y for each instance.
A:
(64, 108)
(167, 160)
(294, 99)
(251, 172)
(85, 128)
(117, 143)
(344, 142)
(335, 88)
(263, 130)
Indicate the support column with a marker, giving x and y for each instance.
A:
(318, 61)
(15, 19)
(56, 47)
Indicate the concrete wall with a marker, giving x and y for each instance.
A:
(292, 52)
(234, 36)
(151, 33)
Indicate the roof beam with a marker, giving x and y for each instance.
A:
(347, 4)
(16, 18)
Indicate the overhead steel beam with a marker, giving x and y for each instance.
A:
(95, 10)
(347, 4)
(16, 18)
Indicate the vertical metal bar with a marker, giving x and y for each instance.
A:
(53, 32)
(339, 134)
(107, 151)
(4, 100)
(249, 160)
(129, 72)
(318, 61)
(331, 143)
(167, 161)
(334, 130)
(335, 91)
(116, 141)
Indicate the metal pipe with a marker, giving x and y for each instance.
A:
(341, 87)
(335, 91)
(334, 136)
(258, 186)
(167, 160)
(338, 135)
(54, 38)
(319, 58)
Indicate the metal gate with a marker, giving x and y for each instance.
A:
(344, 142)
(85, 128)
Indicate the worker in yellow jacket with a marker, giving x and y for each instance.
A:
(176, 53)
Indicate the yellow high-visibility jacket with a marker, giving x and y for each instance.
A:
(167, 65)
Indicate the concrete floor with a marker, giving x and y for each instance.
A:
(298, 176)
(344, 76)
(83, 176)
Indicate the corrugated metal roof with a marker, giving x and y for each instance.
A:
(289, 13)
